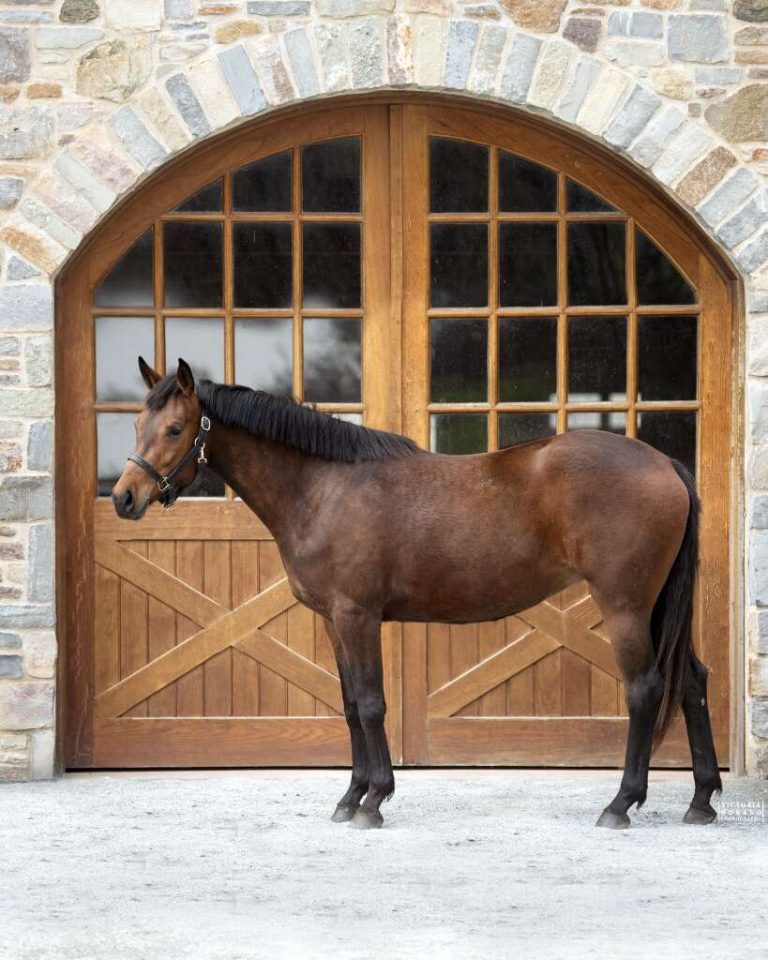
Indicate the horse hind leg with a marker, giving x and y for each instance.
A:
(706, 773)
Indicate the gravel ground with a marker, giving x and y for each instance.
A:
(481, 865)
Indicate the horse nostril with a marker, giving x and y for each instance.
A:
(128, 500)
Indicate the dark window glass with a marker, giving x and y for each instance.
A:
(596, 258)
(458, 176)
(119, 341)
(581, 200)
(331, 265)
(264, 354)
(192, 264)
(264, 186)
(527, 264)
(330, 176)
(207, 200)
(115, 439)
(199, 341)
(658, 279)
(525, 186)
(129, 283)
(458, 432)
(332, 360)
(672, 433)
(667, 358)
(613, 421)
(597, 358)
(459, 351)
(459, 264)
(527, 359)
(263, 264)
(517, 428)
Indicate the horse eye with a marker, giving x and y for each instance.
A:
(174, 431)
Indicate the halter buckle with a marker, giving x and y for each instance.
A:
(164, 484)
(202, 458)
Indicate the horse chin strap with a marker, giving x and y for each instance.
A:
(169, 490)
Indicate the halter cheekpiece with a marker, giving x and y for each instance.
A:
(169, 491)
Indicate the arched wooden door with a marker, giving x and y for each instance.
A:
(473, 281)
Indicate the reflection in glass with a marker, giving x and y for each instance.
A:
(331, 265)
(596, 258)
(199, 341)
(330, 176)
(459, 353)
(581, 200)
(119, 342)
(207, 200)
(115, 440)
(264, 186)
(332, 360)
(527, 264)
(667, 354)
(458, 432)
(527, 359)
(263, 264)
(192, 264)
(459, 264)
(517, 428)
(658, 279)
(674, 433)
(264, 354)
(613, 421)
(525, 186)
(458, 176)
(597, 358)
(129, 282)
(356, 418)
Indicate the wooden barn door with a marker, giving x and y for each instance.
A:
(535, 302)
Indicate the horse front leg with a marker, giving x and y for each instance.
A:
(359, 634)
(349, 804)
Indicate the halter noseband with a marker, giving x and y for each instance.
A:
(169, 491)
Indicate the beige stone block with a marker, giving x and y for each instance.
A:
(541, 16)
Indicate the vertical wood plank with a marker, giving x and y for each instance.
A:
(245, 670)
(189, 688)
(273, 690)
(106, 629)
(218, 670)
(438, 653)
(547, 693)
(464, 656)
(490, 638)
(133, 630)
(602, 693)
(575, 685)
(162, 629)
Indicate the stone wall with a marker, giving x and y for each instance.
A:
(95, 94)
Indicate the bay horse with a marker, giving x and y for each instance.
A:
(371, 528)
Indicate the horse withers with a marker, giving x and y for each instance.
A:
(370, 527)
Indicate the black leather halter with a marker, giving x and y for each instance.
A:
(169, 491)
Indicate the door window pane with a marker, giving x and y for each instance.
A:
(525, 186)
(459, 264)
(597, 359)
(596, 258)
(207, 200)
(517, 428)
(331, 265)
(458, 432)
(115, 440)
(264, 186)
(332, 360)
(613, 421)
(264, 354)
(581, 200)
(119, 343)
(667, 354)
(674, 433)
(130, 282)
(527, 264)
(459, 352)
(458, 176)
(192, 264)
(658, 279)
(527, 359)
(263, 265)
(330, 176)
(199, 341)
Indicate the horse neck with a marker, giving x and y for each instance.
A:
(272, 479)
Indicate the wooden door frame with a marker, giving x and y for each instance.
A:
(176, 179)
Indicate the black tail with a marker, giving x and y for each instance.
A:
(672, 617)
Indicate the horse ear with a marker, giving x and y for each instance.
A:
(150, 376)
(185, 378)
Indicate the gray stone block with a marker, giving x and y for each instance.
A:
(10, 346)
(657, 135)
(283, 8)
(758, 301)
(587, 71)
(366, 53)
(760, 718)
(26, 498)
(26, 306)
(632, 118)
(79, 11)
(40, 446)
(11, 666)
(188, 105)
(242, 80)
(19, 269)
(14, 55)
(66, 38)
(347, 8)
(38, 359)
(518, 70)
(136, 139)
(179, 9)
(728, 196)
(462, 37)
(718, 76)
(746, 222)
(302, 62)
(698, 38)
(754, 254)
(27, 705)
(10, 641)
(20, 615)
(636, 23)
(762, 632)
(758, 568)
(10, 191)
(40, 563)
(759, 515)
(25, 132)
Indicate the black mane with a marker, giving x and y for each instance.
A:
(285, 421)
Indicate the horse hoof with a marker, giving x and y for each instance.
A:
(344, 812)
(613, 821)
(366, 820)
(700, 816)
